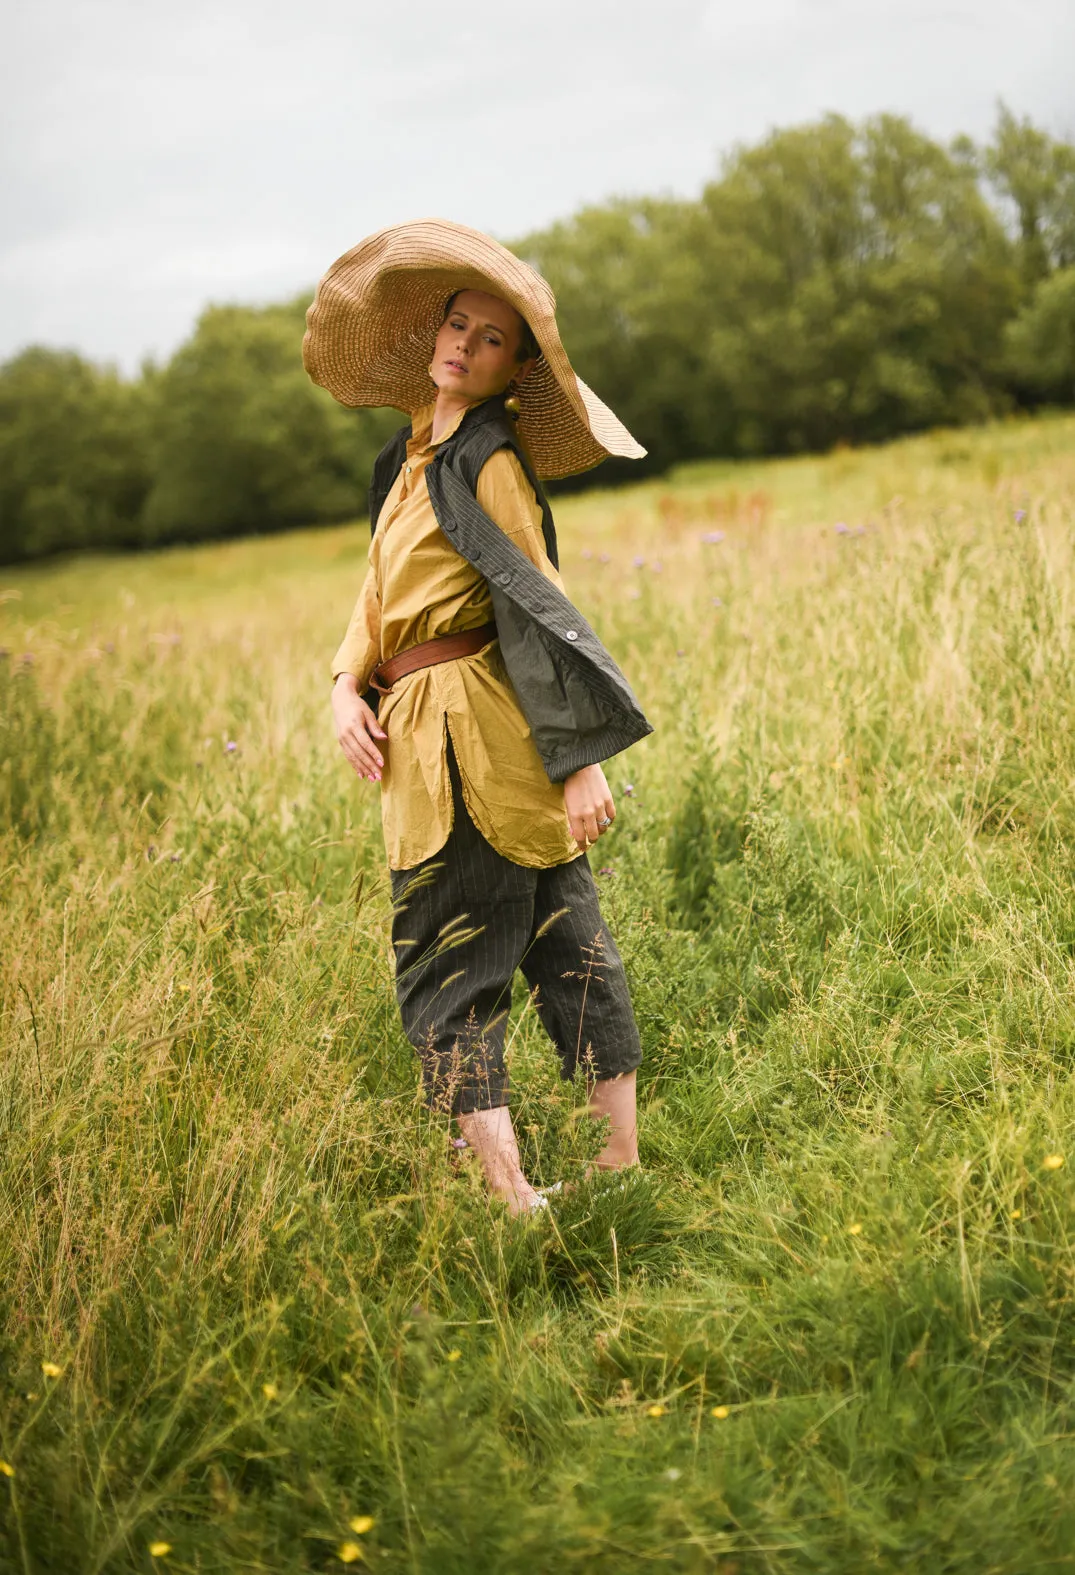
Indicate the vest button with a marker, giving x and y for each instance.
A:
(572, 634)
(505, 578)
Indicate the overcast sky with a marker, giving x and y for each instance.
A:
(160, 154)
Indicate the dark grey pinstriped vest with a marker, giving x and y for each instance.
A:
(579, 706)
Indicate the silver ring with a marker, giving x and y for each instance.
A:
(605, 822)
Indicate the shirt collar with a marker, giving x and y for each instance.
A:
(422, 427)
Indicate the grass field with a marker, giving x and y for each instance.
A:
(249, 1295)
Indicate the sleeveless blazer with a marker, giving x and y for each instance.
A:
(578, 704)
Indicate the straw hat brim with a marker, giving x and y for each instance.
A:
(371, 327)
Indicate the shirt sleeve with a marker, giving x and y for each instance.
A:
(360, 649)
(508, 499)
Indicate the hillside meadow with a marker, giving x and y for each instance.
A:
(256, 1313)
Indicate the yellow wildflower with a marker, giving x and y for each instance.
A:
(160, 1550)
(51, 1369)
(1016, 1214)
(361, 1523)
(453, 1356)
(270, 1391)
(348, 1552)
(855, 1229)
(1053, 1161)
(6, 1469)
(720, 1412)
(656, 1410)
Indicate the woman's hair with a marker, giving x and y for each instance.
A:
(527, 349)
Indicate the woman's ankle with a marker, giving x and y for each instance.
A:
(604, 1161)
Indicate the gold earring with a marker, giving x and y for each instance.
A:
(511, 404)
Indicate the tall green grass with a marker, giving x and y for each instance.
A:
(829, 1328)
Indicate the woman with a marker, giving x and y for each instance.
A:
(468, 686)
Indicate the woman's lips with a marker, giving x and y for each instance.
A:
(457, 366)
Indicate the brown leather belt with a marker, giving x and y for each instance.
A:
(430, 653)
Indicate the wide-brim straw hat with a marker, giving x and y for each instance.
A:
(371, 327)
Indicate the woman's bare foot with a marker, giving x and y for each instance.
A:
(614, 1097)
(491, 1135)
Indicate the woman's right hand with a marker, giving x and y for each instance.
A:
(356, 728)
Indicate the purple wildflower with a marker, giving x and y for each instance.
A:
(586, 553)
(1020, 516)
(842, 529)
(460, 1143)
(717, 602)
(712, 537)
(639, 563)
(657, 566)
(681, 653)
(605, 558)
(231, 746)
(628, 791)
(606, 869)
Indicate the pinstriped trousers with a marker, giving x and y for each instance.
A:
(463, 922)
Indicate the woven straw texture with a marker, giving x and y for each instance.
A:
(370, 332)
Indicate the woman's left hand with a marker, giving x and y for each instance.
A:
(588, 801)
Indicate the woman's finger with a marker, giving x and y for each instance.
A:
(368, 748)
(370, 722)
(361, 754)
(354, 759)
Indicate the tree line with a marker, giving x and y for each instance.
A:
(835, 283)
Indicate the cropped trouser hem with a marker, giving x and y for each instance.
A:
(464, 921)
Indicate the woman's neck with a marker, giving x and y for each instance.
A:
(446, 409)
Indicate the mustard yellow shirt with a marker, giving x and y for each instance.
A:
(417, 586)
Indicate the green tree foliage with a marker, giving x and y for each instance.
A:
(835, 283)
(861, 286)
(74, 462)
(1035, 175)
(633, 305)
(1041, 340)
(243, 441)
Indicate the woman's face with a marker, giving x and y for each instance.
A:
(474, 354)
